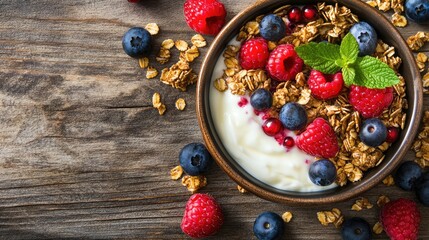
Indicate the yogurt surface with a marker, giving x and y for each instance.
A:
(240, 130)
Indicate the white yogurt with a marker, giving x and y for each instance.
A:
(240, 131)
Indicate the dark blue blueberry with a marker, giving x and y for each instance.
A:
(261, 99)
(293, 116)
(136, 42)
(373, 132)
(322, 172)
(268, 226)
(272, 28)
(407, 175)
(365, 36)
(356, 229)
(417, 10)
(195, 159)
(422, 189)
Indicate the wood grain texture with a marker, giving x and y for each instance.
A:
(85, 156)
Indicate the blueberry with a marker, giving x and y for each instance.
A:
(365, 36)
(322, 172)
(272, 28)
(356, 229)
(407, 175)
(195, 159)
(422, 190)
(373, 132)
(417, 10)
(268, 226)
(136, 42)
(261, 99)
(293, 116)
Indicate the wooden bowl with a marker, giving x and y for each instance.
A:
(394, 155)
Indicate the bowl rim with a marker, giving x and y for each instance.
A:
(341, 193)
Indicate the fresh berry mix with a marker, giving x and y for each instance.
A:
(322, 172)
(195, 159)
(293, 116)
(400, 219)
(203, 216)
(417, 10)
(408, 175)
(318, 139)
(283, 63)
(272, 28)
(137, 42)
(325, 86)
(370, 102)
(422, 189)
(317, 95)
(366, 37)
(373, 132)
(254, 54)
(205, 16)
(268, 226)
(356, 228)
(261, 99)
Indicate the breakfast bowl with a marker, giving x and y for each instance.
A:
(221, 143)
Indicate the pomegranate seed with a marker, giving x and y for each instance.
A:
(243, 102)
(392, 134)
(295, 15)
(310, 13)
(272, 126)
(289, 142)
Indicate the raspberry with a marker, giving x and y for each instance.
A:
(203, 216)
(254, 54)
(205, 16)
(370, 102)
(325, 86)
(400, 219)
(318, 139)
(283, 63)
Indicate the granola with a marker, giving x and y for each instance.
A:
(331, 217)
(361, 204)
(194, 183)
(180, 104)
(287, 217)
(176, 172)
(421, 143)
(152, 28)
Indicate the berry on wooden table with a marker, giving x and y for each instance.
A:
(408, 175)
(254, 53)
(205, 16)
(422, 189)
(137, 42)
(203, 216)
(417, 10)
(356, 228)
(195, 159)
(268, 226)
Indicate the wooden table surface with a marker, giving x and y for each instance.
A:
(83, 153)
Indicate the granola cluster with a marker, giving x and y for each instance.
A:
(421, 144)
(332, 25)
(397, 18)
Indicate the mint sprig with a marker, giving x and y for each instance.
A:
(364, 71)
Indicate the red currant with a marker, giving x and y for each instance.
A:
(310, 13)
(392, 134)
(272, 126)
(289, 142)
(295, 15)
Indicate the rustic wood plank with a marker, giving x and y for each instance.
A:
(83, 153)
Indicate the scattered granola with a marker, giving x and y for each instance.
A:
(180, 104)
(398, 8)
(389, 181)
(151, 72)
(152, 28)
(167, 44)
(377, 228)
(181, 45)
(417, 41)
(382, 199)
(191, 54)
(241, 189)
(162, 109)
(399, 20)
(163, 56)
(287, 217)
(421, 60)
(425, 80)
(334, 216)
(156, 103)
(362, 203)
(198, 41)
(421, 143)
(176, 172)
(143, 62)
(194, 183)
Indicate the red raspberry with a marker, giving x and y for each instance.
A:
(400, 219)
(370, 102)
(203, 216)
(318, 139)
(254, 53)
(205, 16)
(283, 63)
(325, 86)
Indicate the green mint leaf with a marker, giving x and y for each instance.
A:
(348, 75)
(373, 73)
(349, 49)
(321, 56)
